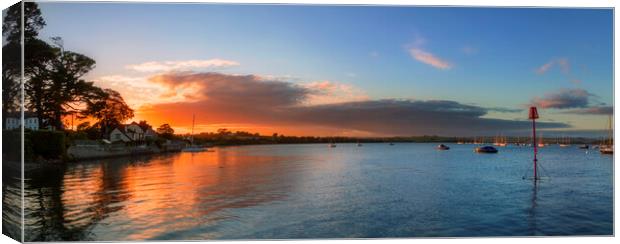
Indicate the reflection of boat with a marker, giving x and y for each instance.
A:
(608, 147)
(485, 149)
(192, 147)
(443, 147)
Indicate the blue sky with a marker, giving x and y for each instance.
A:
(491, 57)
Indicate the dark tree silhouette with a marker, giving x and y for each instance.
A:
(109, 109)
(53, 77)
(165, 131)
(37, 53)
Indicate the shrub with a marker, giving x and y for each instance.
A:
(47, 144)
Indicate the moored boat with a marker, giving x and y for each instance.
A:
(443, 147)
(193, 147)
(485, 149)
(541, 141)
(584, 146)
(608, 147)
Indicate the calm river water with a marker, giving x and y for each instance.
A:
(312, 191)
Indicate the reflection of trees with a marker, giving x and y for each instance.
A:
(65, 204)
(43, 206)
(11, 199)
(160, 195)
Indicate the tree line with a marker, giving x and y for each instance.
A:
(54, 84)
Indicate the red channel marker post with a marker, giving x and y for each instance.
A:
(533, 116)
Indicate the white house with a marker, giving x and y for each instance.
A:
(149, 133)
(127, 133)
(13, 121)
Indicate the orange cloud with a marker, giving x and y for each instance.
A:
(325, 92)
(269, 106)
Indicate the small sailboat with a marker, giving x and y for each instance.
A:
(192, 147)
(331, 144)
(608, 147)
(541, 142)
(565, 142)
(501, 141)
(359, 144)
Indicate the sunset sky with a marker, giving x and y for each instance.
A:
(355, 70)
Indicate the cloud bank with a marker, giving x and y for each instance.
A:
(218, 98)
(601, 110)
(572, 101)
(564, 99)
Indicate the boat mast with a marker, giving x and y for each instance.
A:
(193, 121)
(609, 132)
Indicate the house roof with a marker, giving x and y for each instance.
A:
(121, 129)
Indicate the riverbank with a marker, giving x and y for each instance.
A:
(98, 151)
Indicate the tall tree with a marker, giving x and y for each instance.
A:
(53, 77)
(109, 109)
(37, 52)
(165, 131)
(65, 91)
(53, 86)
(33, 20)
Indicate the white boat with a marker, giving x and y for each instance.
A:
(192, 147)
(565, 142)
(541, 142)
(332, 144)
(500, 141)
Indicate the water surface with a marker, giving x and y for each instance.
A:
(312, 191)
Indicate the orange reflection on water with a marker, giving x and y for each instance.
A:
(163, 194)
